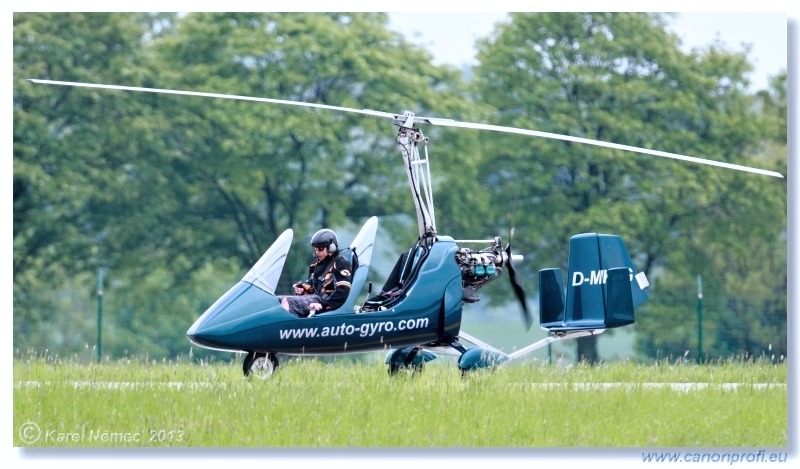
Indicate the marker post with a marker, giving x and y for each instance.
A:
(699, 319)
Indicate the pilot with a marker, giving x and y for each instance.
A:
(329, 278)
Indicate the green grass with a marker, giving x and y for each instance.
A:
(309, 403)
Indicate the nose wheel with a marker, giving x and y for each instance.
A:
(259, 364)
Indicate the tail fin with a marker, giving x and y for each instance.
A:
(602, 291)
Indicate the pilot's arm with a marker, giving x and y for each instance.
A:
(303, 288)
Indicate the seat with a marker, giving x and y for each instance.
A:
(400, 279)
(360, 255)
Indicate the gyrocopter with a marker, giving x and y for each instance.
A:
(418, 311)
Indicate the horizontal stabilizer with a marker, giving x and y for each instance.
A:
(602, 289)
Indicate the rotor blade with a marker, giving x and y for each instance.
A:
(385, 115)
(408, 119)
(535, 133)
(518, 291)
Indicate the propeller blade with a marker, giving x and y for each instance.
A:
(535, 133)
(384, 115)
(518, 291)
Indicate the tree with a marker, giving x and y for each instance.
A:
(742, 260)
(177, 196)
(69, 168)
(165, 186)
(620, 78)
(263, 168)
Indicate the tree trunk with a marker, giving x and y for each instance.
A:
(587, 350)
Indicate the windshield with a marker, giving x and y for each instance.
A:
(267, 271)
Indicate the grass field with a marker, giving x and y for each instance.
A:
(309, 403)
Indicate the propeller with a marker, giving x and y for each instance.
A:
(515, 285)
(408, 119)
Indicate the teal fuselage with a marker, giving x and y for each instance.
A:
(251, 319)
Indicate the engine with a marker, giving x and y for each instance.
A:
(481, 267)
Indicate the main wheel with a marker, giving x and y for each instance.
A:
(260, 364)
(412, 370)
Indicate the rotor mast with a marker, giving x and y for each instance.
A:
(419, 174)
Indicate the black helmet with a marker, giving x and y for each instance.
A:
(325, 238)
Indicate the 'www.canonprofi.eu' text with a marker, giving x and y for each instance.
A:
(731, 457)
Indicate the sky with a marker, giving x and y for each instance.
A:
(765, 32)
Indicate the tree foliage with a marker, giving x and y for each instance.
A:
(169, 185)
(621, 78)
(175, 197)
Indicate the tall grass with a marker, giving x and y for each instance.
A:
(310, 403)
